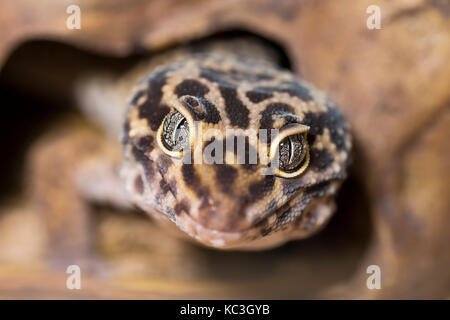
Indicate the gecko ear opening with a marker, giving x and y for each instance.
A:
(289, 150)
(177, 130)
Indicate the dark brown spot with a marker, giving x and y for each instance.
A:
(316, 191)
(237, 112)
(291, 186)
(233, 75)
(266, 122)
(295, 89)
(152, 109)
(212, 114)
(272, 206)
(241, 75)
(181, 206)
(258, 189)
(225, 175)
(164, 186)
(146, 163)
(191, 101)
(173, 187)
(257, 96)
(139, 184)
(136, 97)
(266, 231)
(164, 162)
(203, 194)
(189, 176)
(145, 144)
(215, 76)
(320, 159)
(191, 87)
(208, 111)
(333, 120)
(292, 88)
(284, 214)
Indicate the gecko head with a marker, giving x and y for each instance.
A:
(239, 154)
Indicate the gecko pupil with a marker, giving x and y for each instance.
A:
(175, 135)
(292, 152)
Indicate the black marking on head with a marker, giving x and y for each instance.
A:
(257, 96)
(173, 187)
(189, 176)
(261, 221)
(333, 120)
(292, 88)
(215, 76)
(203, 193)
(191, 101)
(136, 97)
(291, 186)
(266, 121)
(282, 210)
(164, 186)
(208, 113)
(316, 191)
(191, 87)
(156, 117)
(320, 159)
(212, 114)
(241, 75)
(257, 190)
(181, 206)
(283, 214)
(139, 184)
(233, 75)
(295, 89)
(152, 109)
(226, 175)
(164, 162)
(237, 112)
(145, 144)
(146, 163)
(274, 109)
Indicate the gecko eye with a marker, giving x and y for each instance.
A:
(292, 153)
(174, 133)
(289, 151)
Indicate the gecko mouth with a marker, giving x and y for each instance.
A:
(285, 213)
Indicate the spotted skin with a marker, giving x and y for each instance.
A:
(233, 205)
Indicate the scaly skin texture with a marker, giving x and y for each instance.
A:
(229, 205)
(233, 205)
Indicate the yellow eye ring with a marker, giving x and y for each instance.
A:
(285, 132)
